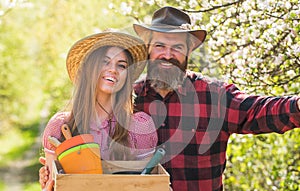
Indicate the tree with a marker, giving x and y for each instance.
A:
(35, 38)
(255, 43)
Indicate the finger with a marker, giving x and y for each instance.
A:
(46, 170)
(43, 171)
(42, 183)
(43, 176)
(42, 160)
(50, 185)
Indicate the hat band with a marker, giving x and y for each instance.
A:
(184, 27)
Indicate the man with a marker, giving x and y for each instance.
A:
(194, 116)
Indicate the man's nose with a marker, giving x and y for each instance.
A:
(168, 54)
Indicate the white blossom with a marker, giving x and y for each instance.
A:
(111, 5)
(193, 3)
(278, 59)
(291, 73)
(196, 17)
(213, 22)
(125, 8)
(9, 3)
(150, 2)
(220, 41)
(243, 17)
(230, 31)
(296, 49)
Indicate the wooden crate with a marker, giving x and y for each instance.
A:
(158, 180)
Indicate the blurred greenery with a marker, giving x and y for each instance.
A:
(254, 44)
(22, 139)
(34, 41)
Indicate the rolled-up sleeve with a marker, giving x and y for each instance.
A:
(53, 129)
(143, 135)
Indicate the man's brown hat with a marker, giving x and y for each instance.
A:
(171, 20)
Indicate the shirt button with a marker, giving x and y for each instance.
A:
(163, 124)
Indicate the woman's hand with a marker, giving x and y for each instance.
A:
(44, 176)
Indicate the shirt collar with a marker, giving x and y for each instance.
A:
(147, 89)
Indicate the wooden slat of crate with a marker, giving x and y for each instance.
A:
(158, 180)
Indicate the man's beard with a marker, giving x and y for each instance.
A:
(166, 78)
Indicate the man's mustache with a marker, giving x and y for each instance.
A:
(171, 60)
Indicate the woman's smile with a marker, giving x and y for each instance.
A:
(111, 79)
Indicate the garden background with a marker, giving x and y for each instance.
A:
(252, 43)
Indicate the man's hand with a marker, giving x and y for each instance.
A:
(44, 176)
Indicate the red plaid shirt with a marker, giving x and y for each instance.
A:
(194, 124)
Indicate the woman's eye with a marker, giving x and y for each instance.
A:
(123, 66)
(105, 61)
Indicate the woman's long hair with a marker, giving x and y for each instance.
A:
(83, 111)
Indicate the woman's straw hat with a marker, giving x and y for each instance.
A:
(82, 48)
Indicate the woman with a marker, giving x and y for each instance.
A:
(103, 67)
